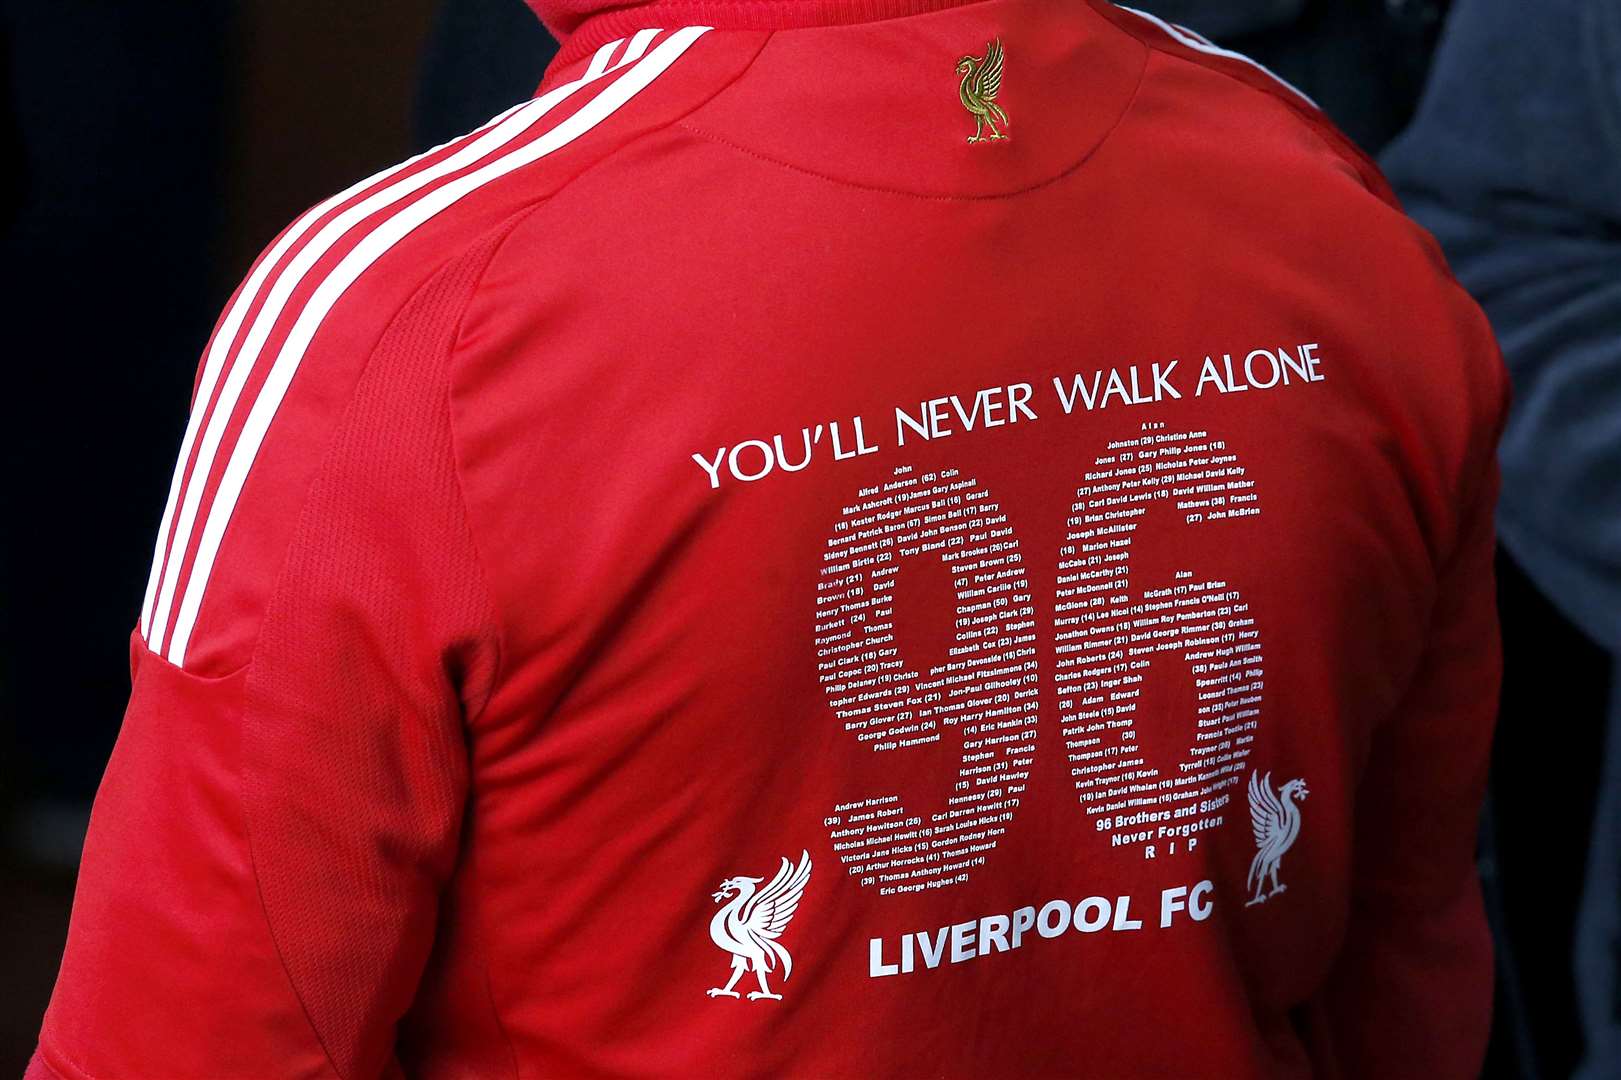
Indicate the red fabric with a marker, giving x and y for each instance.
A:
(517, 670)
(39, 1069)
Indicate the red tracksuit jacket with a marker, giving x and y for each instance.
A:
(882, 538)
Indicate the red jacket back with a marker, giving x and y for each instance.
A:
(872, 539)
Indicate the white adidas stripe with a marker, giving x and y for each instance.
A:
(1203, 44)
(367, 252)
(226, 338)
(1188, 31)
(498, 133)
(633, 52)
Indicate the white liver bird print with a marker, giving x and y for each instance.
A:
(1276, 819)
(748, 926)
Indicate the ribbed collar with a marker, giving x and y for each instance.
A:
(583, 25)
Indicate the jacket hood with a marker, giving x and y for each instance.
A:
(564, 17)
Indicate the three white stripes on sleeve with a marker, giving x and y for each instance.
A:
(188, 486)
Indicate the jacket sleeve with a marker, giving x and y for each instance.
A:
(1412, 992)
(259, 888)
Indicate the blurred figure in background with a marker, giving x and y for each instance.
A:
(1514, 163)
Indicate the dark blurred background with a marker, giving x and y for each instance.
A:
(152, 150)
(156, 147)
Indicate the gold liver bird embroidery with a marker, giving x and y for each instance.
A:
(981, 79)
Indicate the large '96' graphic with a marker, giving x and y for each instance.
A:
(974, 702)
